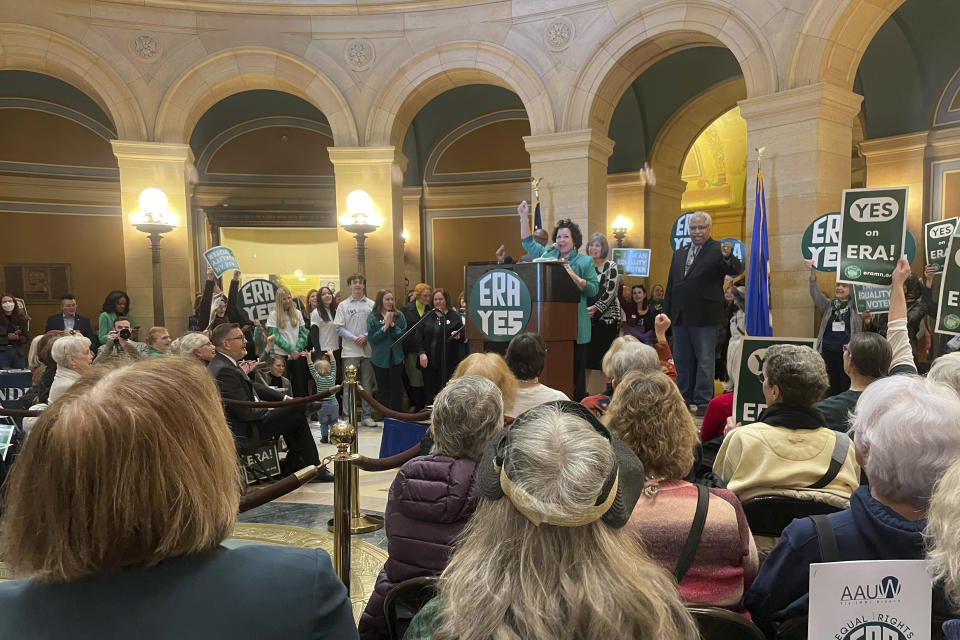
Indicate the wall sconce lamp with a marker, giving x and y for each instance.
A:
(620, 227)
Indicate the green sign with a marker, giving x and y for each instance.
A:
(500, 305)
(632, 262)
(221, 260)
(739, 249)
(748, 398)
(871, 299)
(262, 464)
(679, 233)
(948, 312)
(873, 231)
(6, 436)
(821, 243)
(257, 299)
(937, 236)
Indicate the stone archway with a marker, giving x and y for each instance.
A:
(431, 72)
(226, 73)
(655, 34)
(28, 48)
(833, 39)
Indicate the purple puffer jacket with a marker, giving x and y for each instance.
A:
(430, 501)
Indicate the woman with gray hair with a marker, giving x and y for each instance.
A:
(545, 555)
(196, 345)
(604, 308)
(906, 432)
(73, 357)
(433, 496)
(788, 447)
(943, 541)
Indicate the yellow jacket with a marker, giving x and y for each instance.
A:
(759, 458)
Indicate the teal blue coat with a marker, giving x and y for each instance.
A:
(381, 355)
(582, 265)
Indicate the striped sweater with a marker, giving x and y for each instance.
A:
(323, 382)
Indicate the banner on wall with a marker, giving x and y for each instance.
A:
(221, 260)
(748, 398)
(948, 312)
(256, 299)
(871, 299)
(937, 240)
(873, 229)
(867, 599)
(821, 243)
(632, 262)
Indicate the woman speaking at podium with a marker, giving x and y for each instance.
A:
(567, 239)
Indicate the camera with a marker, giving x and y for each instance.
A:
(124, 334)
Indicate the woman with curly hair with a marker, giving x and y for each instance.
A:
(648, 413)
(115, 305)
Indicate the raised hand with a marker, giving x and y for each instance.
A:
(523, 209)
(900, 273)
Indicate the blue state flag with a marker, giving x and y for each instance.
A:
(537, 223)
(758, 321)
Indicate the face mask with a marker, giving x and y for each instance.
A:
(7, 306)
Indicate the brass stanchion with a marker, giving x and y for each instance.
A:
(342, 434)
(359, 523)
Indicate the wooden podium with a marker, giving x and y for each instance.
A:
(553, 315)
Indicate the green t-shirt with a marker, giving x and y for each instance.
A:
(836, 409)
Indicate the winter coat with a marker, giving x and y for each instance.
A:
(429, 503)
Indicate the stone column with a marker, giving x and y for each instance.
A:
(379, 172)
(661, 210)
(898, 162)
(166, 167)
(808, 136)
(412, 266)
(573, 168)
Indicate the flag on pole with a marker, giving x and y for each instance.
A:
(758, 322)
(537, 223)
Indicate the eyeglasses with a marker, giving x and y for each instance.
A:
(697, 227)
(240, 337)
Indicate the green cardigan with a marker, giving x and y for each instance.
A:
(582, 265)
(380, 340)
(105, 324)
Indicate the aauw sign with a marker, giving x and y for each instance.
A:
(500, 305)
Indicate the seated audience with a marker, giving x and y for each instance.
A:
(39, 390)
(115, 306)
(68, 318)
(13, 333)
(598, 403)
(526, 357)
(433, 496)
(196, 345)
(494, 368)
(638, 315)
(946, 370)
(631, 356)
(943, 540)
(649, 415)
(270, 372)
(250, 425)
(788, 447)
(115, 519)
(544, 556)
(158, 342)
(866, 358)
(906, 432)
(73, 358)
(118, 344)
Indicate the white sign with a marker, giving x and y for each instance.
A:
(870, 600)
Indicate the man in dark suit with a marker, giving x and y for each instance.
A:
(250, 425)
(69, 319)
(694, 304)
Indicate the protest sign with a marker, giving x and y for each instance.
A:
(948, 311)
(679, 233)
(256, 299)
(873, 228)
(871, 299)
(866, 599)
(739, 250)
(7, 429)
(632, 262)
(221, 260)
(936, 238)
(821, 243)
(748, 399)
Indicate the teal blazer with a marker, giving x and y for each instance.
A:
(582, 265)
(381, 355)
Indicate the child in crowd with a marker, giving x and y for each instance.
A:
(323, 368)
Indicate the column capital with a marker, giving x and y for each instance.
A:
(347, 156)
(152, 151)
(815, 101)
(895, 148)
(569, 145)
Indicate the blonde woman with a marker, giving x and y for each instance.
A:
(107, 509)
(649, 415)
(494, 368)
(544, 555)
(290, 333)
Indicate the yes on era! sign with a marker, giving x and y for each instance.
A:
(748, 399)
(873, 228)
(500, 305)
(821, 243)
(948, 312)
(937, 240)
(256, 299)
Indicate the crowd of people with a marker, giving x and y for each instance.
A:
(540, 515)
